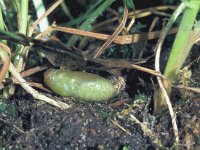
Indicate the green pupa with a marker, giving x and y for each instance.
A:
(82, 85)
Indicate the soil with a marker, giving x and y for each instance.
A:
(95, 125)
(84, 126)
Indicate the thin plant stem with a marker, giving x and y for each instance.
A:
(159, 101)
(1, 19)
(66, 10)
(23, 21)
(179, 52)
(157, 67)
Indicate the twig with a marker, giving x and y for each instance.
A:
(33, 70)
(119, 126)
(33, 92)
(132, 20)
(33, 84)
(151, 10)
(197, 90)
(124, 39)
(138, 14)
(112, 63)
(39, 86)
(6, 62)
(195, 60)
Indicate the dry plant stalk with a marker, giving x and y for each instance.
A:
(124, 39)
(35, 93)
(119, 126)
(33, 70)
(164, 92)
(6, 62)
(197, 90)
(112, 63)
(139, 14)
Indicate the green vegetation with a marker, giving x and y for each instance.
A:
(185, 39)
(91, 16)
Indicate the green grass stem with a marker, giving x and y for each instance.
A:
(23, 21)
(1, 19)
(18, 59)
(179, 52)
